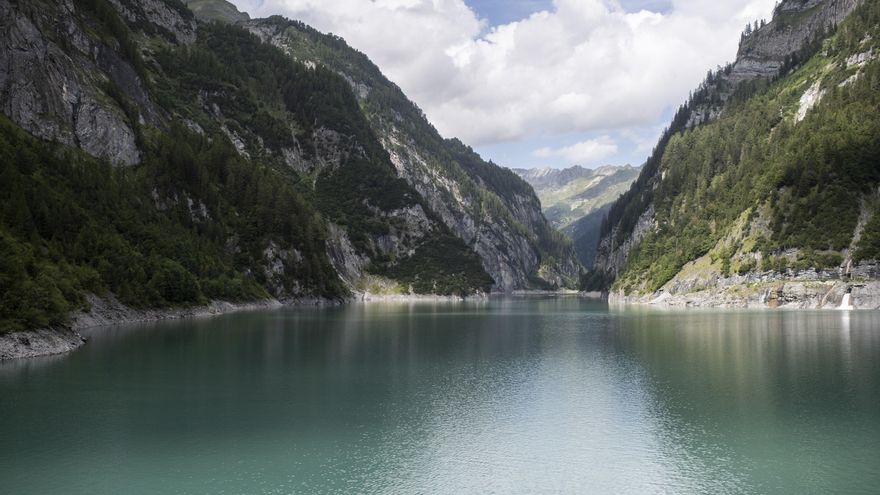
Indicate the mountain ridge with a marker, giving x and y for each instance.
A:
(762, 180)
(197, 162)
(576, 200)
(452, 177)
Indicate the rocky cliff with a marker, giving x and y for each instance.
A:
(51, 72)
(488, 207)
(795, 23)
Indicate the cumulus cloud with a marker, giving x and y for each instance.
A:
(581, 66)
(586, 152)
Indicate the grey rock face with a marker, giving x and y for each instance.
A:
(509, 257)
(53, 74)
(276, 258)
(53, 93)
(331, 148)
(797, 22)
(343, 256)
(167, 21)
(772, 291)
(101, 131)
(43, 342)
(612, 256)
(408, 226)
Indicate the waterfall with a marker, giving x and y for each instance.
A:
(846, 304)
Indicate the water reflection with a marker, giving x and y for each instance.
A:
(510, 395)
(773, 395)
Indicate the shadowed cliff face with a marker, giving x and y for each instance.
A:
(761, 56)
(49, 82)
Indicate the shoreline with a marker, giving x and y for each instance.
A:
(366, 297)
(107, 311)
(772, 294)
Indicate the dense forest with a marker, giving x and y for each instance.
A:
(799, 185)
(199, 219)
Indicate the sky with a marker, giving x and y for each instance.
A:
(539, 83)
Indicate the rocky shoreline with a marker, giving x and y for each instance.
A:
(368, 297)
(109, 311)
(104, 311)
(784, 294)
(791, 294)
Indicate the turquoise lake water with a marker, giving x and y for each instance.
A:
(527, 395)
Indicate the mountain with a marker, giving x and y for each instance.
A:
(489, 207)
(585, 233)
(216, 10)
(575, 200)
(766, 182)
(170, 161)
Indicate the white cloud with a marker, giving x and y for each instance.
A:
(584, 66)
(587, 152)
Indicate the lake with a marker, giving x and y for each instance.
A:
(510, 395)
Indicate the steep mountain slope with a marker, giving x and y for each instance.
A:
(171, 162)
(216, 10)
(567, 195)
(486, 206)
(586, 232)
(769, 173)
(576, 199)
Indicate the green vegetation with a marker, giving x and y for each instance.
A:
(263, 89)
(486, 186)
(198, 219)
(216, 10)
(869, 244)
(813, 174)
(71, 224)
(113, 28)
(585, 234)
(442, 266)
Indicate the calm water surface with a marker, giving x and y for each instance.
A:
(556, 395)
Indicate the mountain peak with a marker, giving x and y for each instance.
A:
(216, 10)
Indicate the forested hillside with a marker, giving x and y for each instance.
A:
(489, 207)
(772, 175)
(172, 162)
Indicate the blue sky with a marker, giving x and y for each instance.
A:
(499, 12)
(587, 82)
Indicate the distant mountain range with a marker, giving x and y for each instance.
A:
(575, 199)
